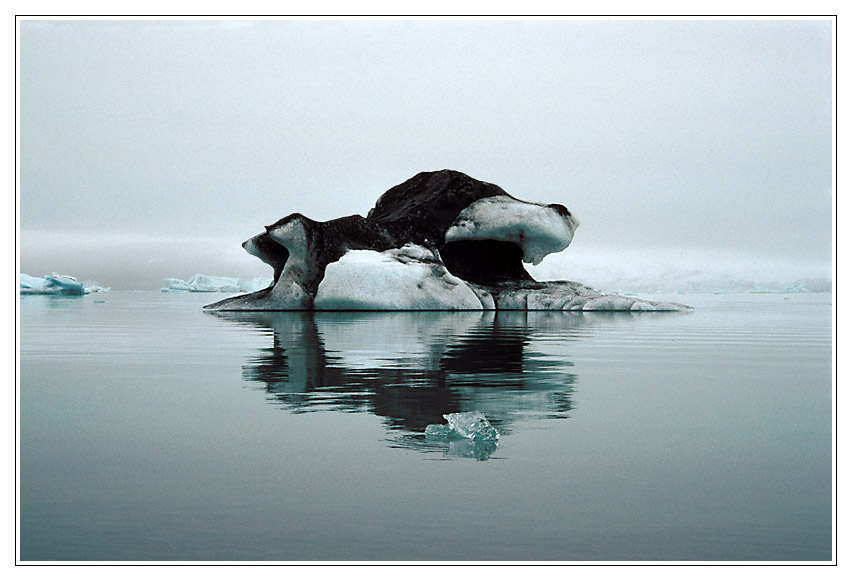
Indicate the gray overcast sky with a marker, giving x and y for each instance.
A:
(659, 134)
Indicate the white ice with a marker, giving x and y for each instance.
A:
(407, 278)
(538, 229)
(410, 278)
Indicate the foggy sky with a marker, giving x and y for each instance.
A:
(151, 149)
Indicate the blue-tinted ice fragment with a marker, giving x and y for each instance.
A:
(464, 425)
(468, 433)
(438, 431)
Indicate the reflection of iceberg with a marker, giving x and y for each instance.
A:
(412, 368)
(203, 283)
(57, 284)
(479, 449)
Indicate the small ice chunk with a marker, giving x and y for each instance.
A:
(464, 425)
(468, 434)
(438, 431)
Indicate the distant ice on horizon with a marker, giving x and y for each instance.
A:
(204, 283)
(683, 271)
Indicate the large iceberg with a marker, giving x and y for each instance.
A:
(439, 241)
(57, 284)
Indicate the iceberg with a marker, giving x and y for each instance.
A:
(438, 241)
(56, 284)
(203, 283)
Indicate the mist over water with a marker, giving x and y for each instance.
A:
(128, 262)
(643, 270)
(124, 262)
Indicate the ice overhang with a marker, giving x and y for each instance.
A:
(537, 229)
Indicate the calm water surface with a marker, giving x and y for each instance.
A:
(151, 430)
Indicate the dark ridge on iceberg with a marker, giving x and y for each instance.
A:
(421, 209)
(263, 247)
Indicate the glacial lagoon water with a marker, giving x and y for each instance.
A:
(150, 430)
